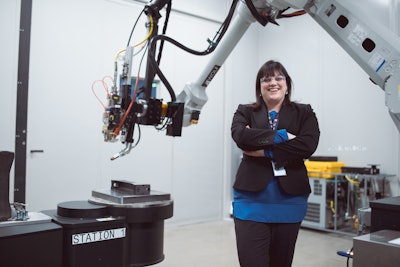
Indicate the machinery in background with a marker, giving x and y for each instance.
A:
(120, 226)
(381, 246)
(321, 212)
(373, 47)
(341, 195)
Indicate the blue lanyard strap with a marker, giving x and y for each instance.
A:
(273, 118)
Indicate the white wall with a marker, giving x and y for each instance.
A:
(8, 75)
(9, 21)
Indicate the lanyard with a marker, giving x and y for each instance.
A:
(273, 123)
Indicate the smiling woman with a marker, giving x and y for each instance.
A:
(271, 187)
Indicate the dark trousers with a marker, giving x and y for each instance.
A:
(265, 244)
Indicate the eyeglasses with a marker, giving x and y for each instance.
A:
(269, 79)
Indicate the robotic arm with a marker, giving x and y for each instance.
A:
(374, 48)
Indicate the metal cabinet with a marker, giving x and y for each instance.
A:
(334, 203)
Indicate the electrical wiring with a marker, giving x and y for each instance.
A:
(116, 67)
(290, 15)
(138, 138)
(149, 33)
(135, 92)
(118, 54)
(118, 129)
(140, 50)
(164, 125)
(161, 47)
(352, 181)
(146, 39)
(138, 44)
(263, 20)
(134, 27)
(105, 86)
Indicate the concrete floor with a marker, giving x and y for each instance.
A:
(213, 245)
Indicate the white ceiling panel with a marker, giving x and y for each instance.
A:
(213, 9)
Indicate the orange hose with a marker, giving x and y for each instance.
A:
(105, 86)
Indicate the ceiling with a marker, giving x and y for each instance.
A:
(211, 9)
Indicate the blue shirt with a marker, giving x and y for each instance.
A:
(270, 205)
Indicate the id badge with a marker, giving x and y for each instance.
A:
(278, 171)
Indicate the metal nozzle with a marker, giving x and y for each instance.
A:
(123, 152)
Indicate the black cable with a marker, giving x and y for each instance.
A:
(164, 31)
(262, 20)
(224, 26)
(348, 258)
(164, 125)
(134, 26)
(158, 70)
(139, 135)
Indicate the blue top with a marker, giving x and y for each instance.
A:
(270, 205)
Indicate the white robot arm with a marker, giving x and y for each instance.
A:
(373, 47)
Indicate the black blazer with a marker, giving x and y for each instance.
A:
(255, 173)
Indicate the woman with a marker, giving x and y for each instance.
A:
(271, 186)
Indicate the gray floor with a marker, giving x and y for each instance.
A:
(213, 245)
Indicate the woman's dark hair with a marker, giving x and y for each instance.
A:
(268, 69)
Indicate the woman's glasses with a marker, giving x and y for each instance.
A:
(270, 79)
